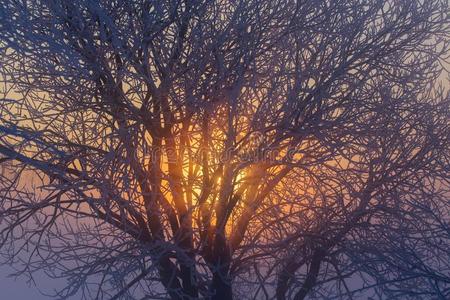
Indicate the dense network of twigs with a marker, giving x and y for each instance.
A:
(259, 149)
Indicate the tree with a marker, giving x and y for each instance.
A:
(205, 149)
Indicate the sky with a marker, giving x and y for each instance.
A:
(19, 289)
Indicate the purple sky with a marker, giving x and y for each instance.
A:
(19, 289)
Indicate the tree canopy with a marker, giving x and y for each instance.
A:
(227, 149)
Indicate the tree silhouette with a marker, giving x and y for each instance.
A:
(215, 149)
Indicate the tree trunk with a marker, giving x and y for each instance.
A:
(168, 273)
(189, 281)
(311, 277)
(285, 277)
(221, 285)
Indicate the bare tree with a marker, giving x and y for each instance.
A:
(210, 149)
